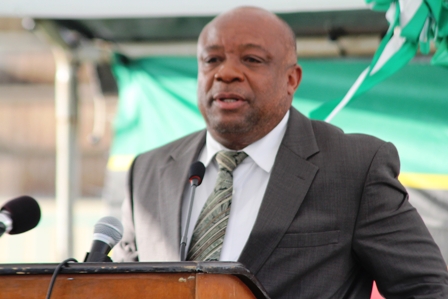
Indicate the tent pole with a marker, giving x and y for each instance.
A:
(66, 111)
(66, 114)
(69, 52)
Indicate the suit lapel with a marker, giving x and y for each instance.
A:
(173, 181)
(290, 180)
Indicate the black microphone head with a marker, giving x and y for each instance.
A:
(197, 170)
(24, 212)
(108, 230)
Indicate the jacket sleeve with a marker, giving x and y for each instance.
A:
(390, 239)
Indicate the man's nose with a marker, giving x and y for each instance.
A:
(229, 72)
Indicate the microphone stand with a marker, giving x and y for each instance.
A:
(194, 182)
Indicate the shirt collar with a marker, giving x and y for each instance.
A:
(262, 152)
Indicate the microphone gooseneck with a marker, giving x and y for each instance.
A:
(196, 174)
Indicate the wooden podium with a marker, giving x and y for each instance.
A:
(186, 280)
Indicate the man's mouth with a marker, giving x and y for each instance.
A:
(228, 97)
(227, 101)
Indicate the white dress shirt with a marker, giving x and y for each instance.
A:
(250, 180)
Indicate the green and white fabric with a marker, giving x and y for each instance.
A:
(413, 25)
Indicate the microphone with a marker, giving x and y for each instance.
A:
(19, 215)
(107, 233)
(197, 170)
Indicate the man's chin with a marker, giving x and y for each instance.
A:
(231, 127)
(232, 123)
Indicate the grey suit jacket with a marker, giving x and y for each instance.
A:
(333, 218)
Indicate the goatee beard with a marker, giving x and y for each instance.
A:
(243, 126)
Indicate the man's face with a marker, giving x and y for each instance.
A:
(244, 81)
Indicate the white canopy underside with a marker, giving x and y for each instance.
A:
(71, 9)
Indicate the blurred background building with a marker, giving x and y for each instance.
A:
(27, 143)
(27, 116)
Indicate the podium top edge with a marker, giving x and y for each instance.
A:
(135, 267)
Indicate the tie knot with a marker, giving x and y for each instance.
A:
(230, 160)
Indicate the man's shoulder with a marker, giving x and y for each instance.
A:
(330, 134)
(325, 132)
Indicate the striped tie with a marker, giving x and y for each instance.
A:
(208, 234)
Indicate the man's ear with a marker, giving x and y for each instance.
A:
(294, 78)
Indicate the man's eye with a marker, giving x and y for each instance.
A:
(211, 60)
(251, 59)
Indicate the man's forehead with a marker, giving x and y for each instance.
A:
(248, 25)
(244, 19)
(245, 14)
(243, 36)
(242, 39)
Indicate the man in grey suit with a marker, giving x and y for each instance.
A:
(316, 213)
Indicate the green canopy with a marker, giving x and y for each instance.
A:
(158, 105)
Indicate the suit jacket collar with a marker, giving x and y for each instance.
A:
(174, 180)
(290, 180)
(299, 137)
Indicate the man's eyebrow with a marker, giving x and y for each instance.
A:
(242, 47)
(254, 46)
